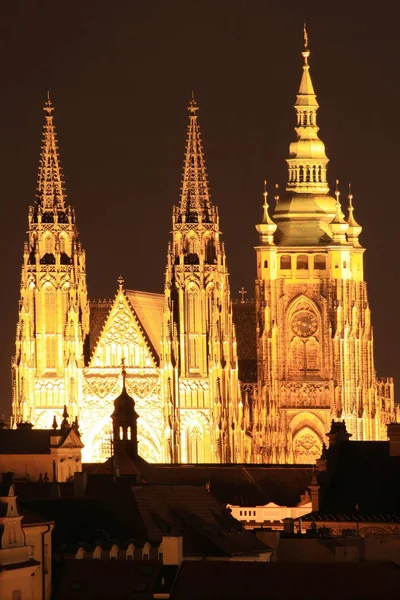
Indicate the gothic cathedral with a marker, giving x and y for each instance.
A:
(186, 352)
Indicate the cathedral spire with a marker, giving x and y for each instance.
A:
(307, 159)
(50, 186)
(195, 196)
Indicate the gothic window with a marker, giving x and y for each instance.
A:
(286, 262)
(193, 309)
(195, 444)
(48, 245)
(301, 174)
(51, 352)
(297, 358)
(105, 444)
(319, 262)
(194, 352)
(50, 310)
(312, 356)
(302, 261)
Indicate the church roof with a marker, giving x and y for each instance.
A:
(36, 441)
(148, 307)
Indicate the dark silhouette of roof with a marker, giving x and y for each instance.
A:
(361, 478)
(201, 580)
(26, 440)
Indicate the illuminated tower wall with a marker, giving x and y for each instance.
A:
(203, 415)
(314, 332)
(53, 309)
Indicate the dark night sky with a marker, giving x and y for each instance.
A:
(120, 75)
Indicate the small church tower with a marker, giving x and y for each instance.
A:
(53, 309)
(202, 409)
(124, 419)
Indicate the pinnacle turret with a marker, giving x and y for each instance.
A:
(267, 227)
(50, 186)
(354, 229)
(195, 196)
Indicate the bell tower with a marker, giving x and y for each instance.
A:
(203, 415)
(314, 332)
(53, 310)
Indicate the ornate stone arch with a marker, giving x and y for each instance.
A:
(308, 435)
(196, 445)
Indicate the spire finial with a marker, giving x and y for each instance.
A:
(354, 228)
(193, 106)
(350, 197)
(123, 372)
(276, 196)
(120, 281)
(337, 192)
(265, 193)
(306, 51)
(48, 106)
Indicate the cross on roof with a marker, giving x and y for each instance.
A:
(242, 293)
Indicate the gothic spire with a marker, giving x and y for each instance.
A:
(307, 159)
(50, 186)
(195, 197)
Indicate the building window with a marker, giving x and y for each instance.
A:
(302, 261)
(286, 262)
(265, 264)
(344, 264)
(319, 262)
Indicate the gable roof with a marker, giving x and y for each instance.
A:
(36, 441)
(122, 307)
(149, 310)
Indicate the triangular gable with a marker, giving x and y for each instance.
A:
(122, 336)
(149, 307)
(72, 440)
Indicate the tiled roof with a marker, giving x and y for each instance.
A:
(108, 580)
(245, 485)
(201, 580)
(149, 310)
(30, 441)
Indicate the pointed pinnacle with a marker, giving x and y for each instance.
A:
(193, 106)
(48, 106)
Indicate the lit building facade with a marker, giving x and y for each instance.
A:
(314, 333)
(312, 324)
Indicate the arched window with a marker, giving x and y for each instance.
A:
(319, 262)
(130, 552)
(129, 433)
(48, 245)
(195, 444)
(51, 352)
(286, 262)
(265, 264)
(50, 309)
(97, 553)
(121, 433)
(344, 264)
(302, 261)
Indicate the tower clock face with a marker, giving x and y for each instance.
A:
(304, 323)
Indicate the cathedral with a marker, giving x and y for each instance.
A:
(213, 381)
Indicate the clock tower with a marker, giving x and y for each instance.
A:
(314, 333)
